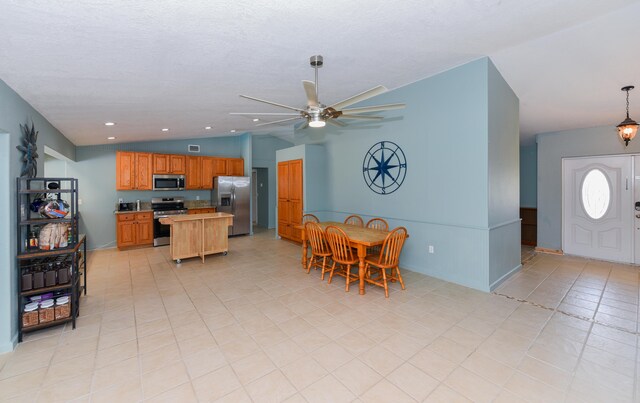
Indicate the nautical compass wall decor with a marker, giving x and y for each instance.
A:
(384, 167)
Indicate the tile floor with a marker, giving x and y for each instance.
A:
(253, 326)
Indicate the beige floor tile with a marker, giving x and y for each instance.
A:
(444, 394)
(115, 373)
(252, 367)
(239, 348)
(237, 396)
(357, 376)
(116, 353)
(533, 390)
(216, 384)
(164, 379)
(471, 385)
(413, 381)
(19, 384)
(332, 356)
(118, 337)
(128, 391)
(273, 387)
(303, 372)
(327, 389)
(203, 362)
(183, 394)
(67, 390)
(197, 344)
(433, 364)
(22, 363)
(284, 353)
(488, 368)
(159, 358)
(450, 350)
(381, 360)
(545, 373)
(384, 392)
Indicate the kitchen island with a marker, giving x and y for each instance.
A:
(198, 234)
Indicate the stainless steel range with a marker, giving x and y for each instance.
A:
(164, 207)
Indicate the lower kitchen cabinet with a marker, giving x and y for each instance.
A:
(134, 229)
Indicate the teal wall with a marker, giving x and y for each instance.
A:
(452, 197)
(263, 153)
(529, 175)
(15, 111)
(552, 147)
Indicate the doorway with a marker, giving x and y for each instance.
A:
(261, 183)
(254, 196)
(598, 213)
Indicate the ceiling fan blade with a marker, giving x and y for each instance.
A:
(265, 113)
(360, 97)
(272, 103)
(304, 125)
(360, 117)
(278, 121)
(375, 108)
(336, 123)
(310, 89)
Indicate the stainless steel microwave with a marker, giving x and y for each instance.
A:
(168, 182)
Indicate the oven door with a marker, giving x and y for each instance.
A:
(161, 232)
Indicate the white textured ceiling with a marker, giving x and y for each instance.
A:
(181, 64)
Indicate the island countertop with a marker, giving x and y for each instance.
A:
(194, 217)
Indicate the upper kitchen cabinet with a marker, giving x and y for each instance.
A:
(235, 166)
(194, 172)
(208, 169)
(219, 166)
(133, 171)
(169, 164)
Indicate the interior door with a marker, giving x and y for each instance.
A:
(597, 208)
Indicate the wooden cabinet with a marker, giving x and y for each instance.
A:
(219, 166)
(194, 173)
(205, 210)
(290, 199)
(169, 164)
(133, 171)
(208, 164)
(134, 229)
(235, 166)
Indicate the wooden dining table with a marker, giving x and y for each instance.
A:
(360, 238)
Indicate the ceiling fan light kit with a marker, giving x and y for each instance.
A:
(628, 128)
(317, 114)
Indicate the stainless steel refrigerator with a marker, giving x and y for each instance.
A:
(232, 194)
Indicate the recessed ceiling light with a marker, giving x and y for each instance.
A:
(233, 131)
(256, 120)
(109, 124)
(165, 130)
(208, 128)
(111, 138)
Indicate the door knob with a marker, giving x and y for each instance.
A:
(637, 215)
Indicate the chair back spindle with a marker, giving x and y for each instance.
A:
(378, 223)
(392, 246)
(354, 220)
(339, 243)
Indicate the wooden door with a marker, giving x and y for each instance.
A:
(126, 234)
(125, 170)
(144, 229)
(290, 199)
(178, 164)
(160, 164)
(194, 172)
(144, 166)
(219, 166)
(206, 181)
(235, 167)
(295, 198)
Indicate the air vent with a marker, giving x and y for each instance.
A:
(194, 148)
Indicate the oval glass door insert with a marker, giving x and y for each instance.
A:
(596, 194)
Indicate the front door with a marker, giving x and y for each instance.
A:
(597, 208)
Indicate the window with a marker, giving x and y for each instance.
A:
(596, 194)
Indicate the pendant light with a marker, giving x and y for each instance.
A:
(628, 128)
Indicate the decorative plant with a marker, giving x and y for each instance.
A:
(29, 148)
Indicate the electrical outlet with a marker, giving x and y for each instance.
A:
(79, 202)
(431, 250)
(120, 200)
(197, 197)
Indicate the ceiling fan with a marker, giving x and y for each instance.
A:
(317, 114)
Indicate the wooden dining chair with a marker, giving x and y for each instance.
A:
(342, 255)
(354, 220)
(378, 223)
(309, 218)
(387, 259)
(320, 250)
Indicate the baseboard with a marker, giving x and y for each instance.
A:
(9, 346)
(499, 281)
(549, 251)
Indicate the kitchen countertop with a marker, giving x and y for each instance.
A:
(133, 211)
(199, 207)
